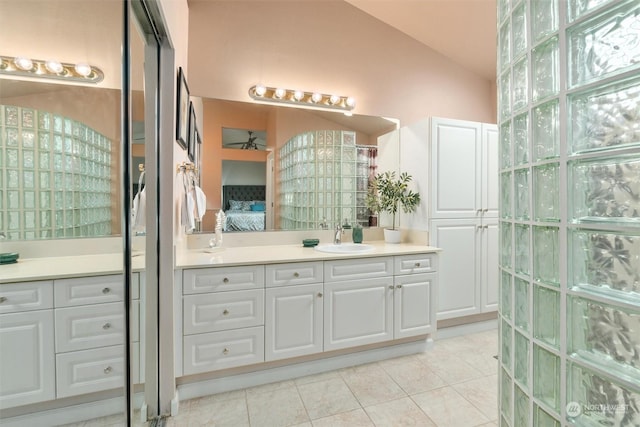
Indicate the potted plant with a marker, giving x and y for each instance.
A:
(391, 194)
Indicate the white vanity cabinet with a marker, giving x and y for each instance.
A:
(222, 318)
(294, 301)
(27, 358)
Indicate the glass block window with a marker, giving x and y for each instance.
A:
(324, 177)
(55, 176)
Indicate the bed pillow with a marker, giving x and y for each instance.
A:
(236, 205)
(258, 207)
(246, 205)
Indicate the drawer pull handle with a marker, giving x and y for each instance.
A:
(106, 291)
(296, 274)
(225, 280)
(225, 312)
(3, 299)
(106, 326)
(225, 351)
(319, 294)
(108, 370)
(417, 264)
(399, 286)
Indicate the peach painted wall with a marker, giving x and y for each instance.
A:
(332, 47)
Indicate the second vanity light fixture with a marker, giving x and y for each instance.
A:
(23, 66)
(305, 99)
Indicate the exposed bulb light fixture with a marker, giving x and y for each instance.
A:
(27, 67)
(317, 100)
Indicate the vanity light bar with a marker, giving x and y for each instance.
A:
(307, 99)
(27, 67)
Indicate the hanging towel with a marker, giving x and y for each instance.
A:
(187, 218)
(201, 203)
(139, 208)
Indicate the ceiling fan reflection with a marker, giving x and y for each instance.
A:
(249, 144)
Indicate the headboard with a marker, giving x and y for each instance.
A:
(242, 192)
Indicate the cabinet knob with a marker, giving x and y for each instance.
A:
(296, 274)
(225, 280)
(225, 312)
(106, 326)
(391, 286)
(319, 294)
(485, 210)
(108, 370)
(399, 286)
(478, 227)
(417, 264)
(106, 290)
(3, 299)
(225, 351)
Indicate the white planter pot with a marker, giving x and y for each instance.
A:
(391, 236)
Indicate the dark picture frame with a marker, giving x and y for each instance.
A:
(198, 149)
(193, 130)
(182, 111)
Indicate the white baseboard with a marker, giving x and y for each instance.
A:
(467, 328)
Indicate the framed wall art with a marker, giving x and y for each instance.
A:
(182, 111)
(193, 131)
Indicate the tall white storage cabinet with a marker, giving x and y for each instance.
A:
(464, 215)
(459, 186)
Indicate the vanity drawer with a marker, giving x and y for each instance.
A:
(80, 328)
(15, 297)
(200, 280)
(88, 290)
(357, 268)
(88, 371)
(295, 273)
(419, 263)
(221, 350)
(223, 311)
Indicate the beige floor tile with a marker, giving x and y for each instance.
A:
(491, 424)
(371, 384)
(269, 387)
(317, 377)
(221, 413)
(447, 408)
(482, 393)
(398, 413)
(326, 398)
(484, 362)
(281, 406)
(199, 402)
(356, 418)
(451, 369)
(411, 374)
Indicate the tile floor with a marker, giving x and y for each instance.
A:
(454, 384)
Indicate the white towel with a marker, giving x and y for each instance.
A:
(187, 218)
(139, 208)
(201, 203)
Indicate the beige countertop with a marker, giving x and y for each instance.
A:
(47, 268)
(286, 253)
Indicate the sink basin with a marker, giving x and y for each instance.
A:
(345, 248)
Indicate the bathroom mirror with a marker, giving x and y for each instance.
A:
(224, 167)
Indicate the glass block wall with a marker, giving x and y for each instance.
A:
(55, 176)
(569, 117)
(323, 177)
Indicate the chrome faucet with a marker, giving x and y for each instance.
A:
(324, 224)
(337, 239)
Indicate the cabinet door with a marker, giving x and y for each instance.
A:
(221, 311)
(88, 371)
(27, 358)
(490, 187)
(293, 323)
(490, 275)
(412, 301)
(358, 312)
(456, 155)
(458, 266)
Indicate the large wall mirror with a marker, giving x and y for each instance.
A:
(236, 170)
(60, 141)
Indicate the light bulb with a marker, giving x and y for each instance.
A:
(298, 95)
(351, 102)
(279, 93)
(83, 69)
(53, 66)
(261, 90)
(334, 99)
(25, 64)
(316, 97)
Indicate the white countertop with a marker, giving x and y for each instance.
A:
(286, 253)
(47, 268)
